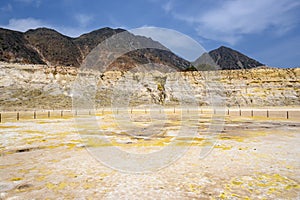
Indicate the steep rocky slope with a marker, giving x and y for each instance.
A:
(15, 48)
(48, 46)
(225, 58)
(88, 41)
(54, 48)
(37, 86)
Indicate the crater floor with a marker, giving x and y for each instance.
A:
(252, 158)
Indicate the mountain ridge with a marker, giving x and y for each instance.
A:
(236, 59)
(225, 58)
(48, 46)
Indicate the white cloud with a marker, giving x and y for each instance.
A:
(177, 42)
(24, 24)
(83, 19)
(233, 19)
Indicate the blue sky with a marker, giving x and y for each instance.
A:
(267, 30)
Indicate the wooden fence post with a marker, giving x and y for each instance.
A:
(0, 117)
(251, 113)
(240, 112)
(34, 115)
(61, 113)
(48, 114)
(18, 116)
(267, 113)
(287, 114)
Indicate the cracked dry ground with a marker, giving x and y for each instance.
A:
(253, 158)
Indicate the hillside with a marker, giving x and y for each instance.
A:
(53, 47)
(47, 46)
(225, 58)
(15, 48)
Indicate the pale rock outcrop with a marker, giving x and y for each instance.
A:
(43, 87)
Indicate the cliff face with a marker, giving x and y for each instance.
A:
(37, 87)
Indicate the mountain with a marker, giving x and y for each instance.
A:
(87, 42)
(228, 58)
(15, 48)
(47, 46)
(53, 47)
(225, 58)
(159, 54)
(205, 63)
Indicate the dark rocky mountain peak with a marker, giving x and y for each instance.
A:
(53, 47)
(228, 58)
(47, 46)
(225, 58)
